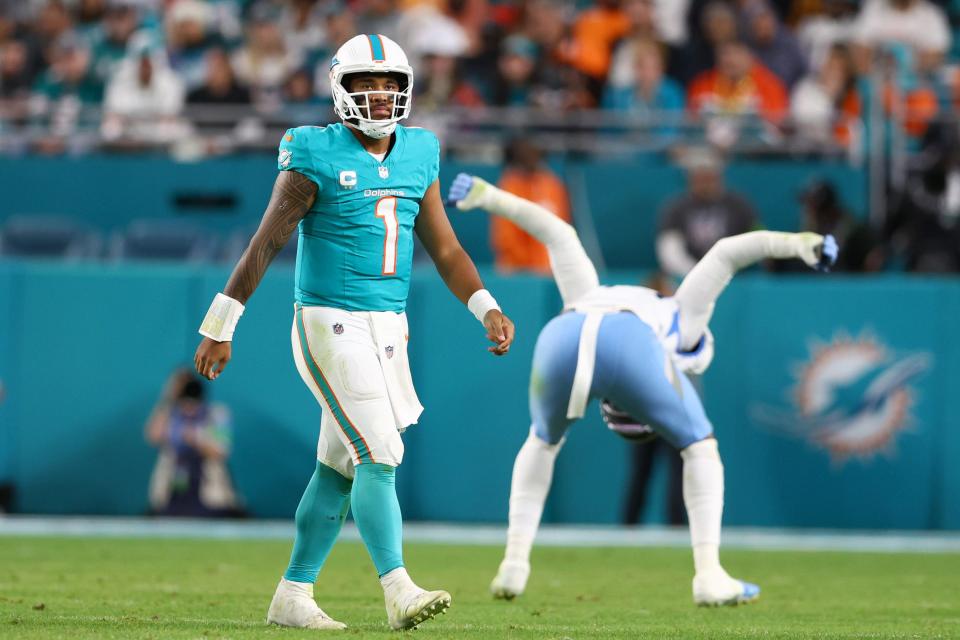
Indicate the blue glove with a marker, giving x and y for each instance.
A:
(460, 188)
(828, 253)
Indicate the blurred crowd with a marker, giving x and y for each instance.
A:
(79, 74)
(792, 65)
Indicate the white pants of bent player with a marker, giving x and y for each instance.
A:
(356, 365)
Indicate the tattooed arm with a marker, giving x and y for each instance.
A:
(293, 195)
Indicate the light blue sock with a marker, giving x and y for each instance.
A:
(320, 515)
(377, 514)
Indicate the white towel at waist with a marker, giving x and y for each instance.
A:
(390, 334)
(586, 357)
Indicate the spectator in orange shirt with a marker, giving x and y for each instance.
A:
(738, 85)
(527, 176)
(595, 33)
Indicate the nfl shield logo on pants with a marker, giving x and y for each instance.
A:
(384, 173)
(338, 328)
(389, 351)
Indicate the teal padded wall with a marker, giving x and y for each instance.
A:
(85, 349)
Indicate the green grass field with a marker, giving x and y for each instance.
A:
(141, 588)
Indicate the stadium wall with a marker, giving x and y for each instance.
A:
(620, 197)
(834, 399)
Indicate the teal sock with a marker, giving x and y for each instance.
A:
(320, 515)
(377, 514)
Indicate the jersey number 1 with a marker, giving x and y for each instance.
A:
(387, 210)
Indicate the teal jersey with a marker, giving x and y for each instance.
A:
(356, 243)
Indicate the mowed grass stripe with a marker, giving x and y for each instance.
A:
(141, 588)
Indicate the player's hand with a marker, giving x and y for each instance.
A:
(466, 192)
(211, 358)
(500, 330)
(818, 252)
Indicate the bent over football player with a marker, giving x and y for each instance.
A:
(631, 349)
(356, 191)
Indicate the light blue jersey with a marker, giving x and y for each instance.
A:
(356, 243)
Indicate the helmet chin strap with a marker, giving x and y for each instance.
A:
(373, 130)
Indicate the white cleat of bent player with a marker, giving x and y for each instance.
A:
(511, 580)
(293, 606)
(409, 609)
(716, 589)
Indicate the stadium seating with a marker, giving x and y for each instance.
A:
(48, 236)
(172, 240)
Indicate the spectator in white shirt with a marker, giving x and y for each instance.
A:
(825, 105)
(818, 33)
(918, 24)
(143, 100)
(670, 17)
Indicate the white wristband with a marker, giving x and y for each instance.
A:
(480, 303)
(221, 318)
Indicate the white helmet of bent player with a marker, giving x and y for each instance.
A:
(370, 54)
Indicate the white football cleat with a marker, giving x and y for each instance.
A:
(716, 588)
(511, 580)
(293, 606)
(412, 608)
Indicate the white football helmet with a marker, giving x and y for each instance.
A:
(371, 53)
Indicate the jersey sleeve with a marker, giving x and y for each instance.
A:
(295, 154)
(433, 169)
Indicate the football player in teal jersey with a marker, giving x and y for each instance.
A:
(356, 192)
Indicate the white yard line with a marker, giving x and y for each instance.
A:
(550, 535)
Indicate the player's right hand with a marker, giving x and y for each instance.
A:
(500, 330)
(211, 358)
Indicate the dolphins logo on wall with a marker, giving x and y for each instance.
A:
(852, 396)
